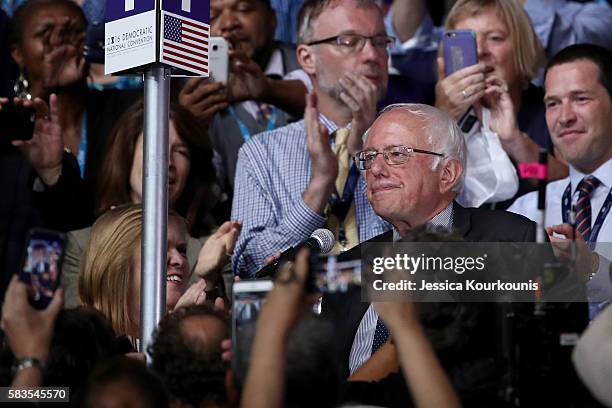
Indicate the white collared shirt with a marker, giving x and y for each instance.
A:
(599, 286)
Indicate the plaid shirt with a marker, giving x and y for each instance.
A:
(273, 172)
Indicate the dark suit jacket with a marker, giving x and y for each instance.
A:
(474, 225)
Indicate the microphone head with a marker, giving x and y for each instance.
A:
(324, 238)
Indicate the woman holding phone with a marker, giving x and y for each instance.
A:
(500, 112)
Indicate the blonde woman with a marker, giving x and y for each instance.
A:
(109, 280)
(500, 112)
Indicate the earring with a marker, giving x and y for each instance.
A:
(22, 86)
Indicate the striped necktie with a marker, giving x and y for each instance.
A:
(583, 205)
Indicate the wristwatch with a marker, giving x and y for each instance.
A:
(27, 362)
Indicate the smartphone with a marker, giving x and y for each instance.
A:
(17, 122)
(218, 59)
(42, 262)
(248, 297)
(460, 50)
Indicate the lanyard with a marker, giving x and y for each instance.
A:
(340, 206)
(566, 201)
(82, 155)
(244, 130)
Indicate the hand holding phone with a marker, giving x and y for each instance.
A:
(461, 79)
(16, 121)
(41, 266)
(29, 331)
(45, 149)
(459, 50)
(248, 299)
(204, 98)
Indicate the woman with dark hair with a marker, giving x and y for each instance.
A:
(193, 196)
(47, 180)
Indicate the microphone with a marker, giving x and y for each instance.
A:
(321, 240)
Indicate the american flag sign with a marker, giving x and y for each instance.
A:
(185, 44)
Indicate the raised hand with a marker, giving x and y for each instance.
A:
(503, 117)
(360, 95)
(29, 331)
(287, 301)
(218, 248)
(324, 165)
(194, 295)
(572, 249)
(45, 149)
(247, 81)
(460, 90)
(324, 162)
(64, 62)
(203, 98)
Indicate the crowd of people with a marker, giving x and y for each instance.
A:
(290, 144)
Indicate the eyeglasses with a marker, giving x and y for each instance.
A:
(356, 42)
(393, 156)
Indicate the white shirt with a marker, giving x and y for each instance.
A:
(362, 344)
(600, 286)
(490, 176)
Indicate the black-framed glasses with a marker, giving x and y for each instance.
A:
(356, 42)
(393, 156)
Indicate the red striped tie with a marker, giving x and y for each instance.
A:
(583, 205)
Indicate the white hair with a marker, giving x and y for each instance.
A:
(443, 135)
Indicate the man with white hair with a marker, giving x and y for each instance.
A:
(414, 161)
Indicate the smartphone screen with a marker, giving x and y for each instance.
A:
(459, 50)
(248, 298)
(42, 262)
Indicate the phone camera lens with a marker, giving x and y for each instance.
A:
(215, 47)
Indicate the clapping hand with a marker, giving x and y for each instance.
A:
(64, 61)
(218, 248)
(361, 96)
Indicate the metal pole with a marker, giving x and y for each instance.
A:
(155, 201)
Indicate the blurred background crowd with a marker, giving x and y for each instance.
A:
(245, 174)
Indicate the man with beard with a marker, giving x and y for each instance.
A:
(266, 87)
(298, 178)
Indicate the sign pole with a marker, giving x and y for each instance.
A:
(155, 201)
(156, 37)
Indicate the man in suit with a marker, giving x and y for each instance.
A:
(414, 161)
